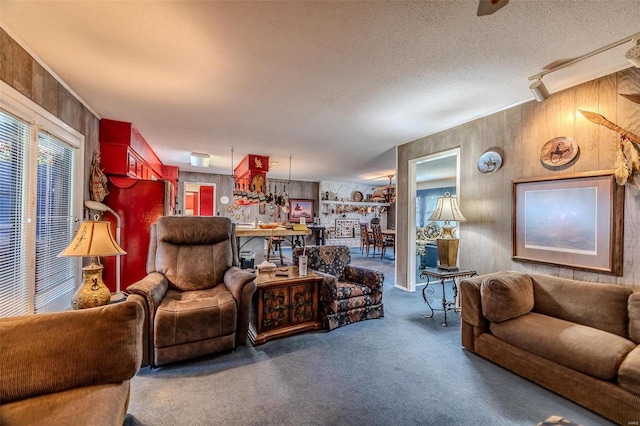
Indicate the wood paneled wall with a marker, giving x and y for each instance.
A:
(22, 72)
(520, 132)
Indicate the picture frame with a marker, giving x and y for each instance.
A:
(574, 221)
(300, 208)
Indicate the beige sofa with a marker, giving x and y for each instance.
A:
(578, 339)
(69, 368)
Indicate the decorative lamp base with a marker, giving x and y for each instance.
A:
(92, 292)
(448, 253)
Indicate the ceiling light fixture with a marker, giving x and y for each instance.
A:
(539, 90)
(633, 54)
(198, 159)
(541, 93)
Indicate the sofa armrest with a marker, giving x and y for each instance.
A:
(242, 285)
(370, 277)
(47, 353)
(471, 301)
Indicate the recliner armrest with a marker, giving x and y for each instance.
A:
(153, 287)
(236, 279)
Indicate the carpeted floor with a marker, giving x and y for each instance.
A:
(399, 370)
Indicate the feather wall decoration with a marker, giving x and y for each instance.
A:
(620, 169)
(627, 165)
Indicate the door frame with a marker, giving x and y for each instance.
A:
(411, 210)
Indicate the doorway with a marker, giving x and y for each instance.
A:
(199, 199)
(429, 177)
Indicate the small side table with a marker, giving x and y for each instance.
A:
(284, 305)
(444, 275)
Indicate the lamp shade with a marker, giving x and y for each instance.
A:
(93, 238)
(447, 209)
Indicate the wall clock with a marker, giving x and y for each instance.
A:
(489, 162)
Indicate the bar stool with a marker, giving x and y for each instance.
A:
(275, 243)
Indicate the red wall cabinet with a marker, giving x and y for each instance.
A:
(124, 152)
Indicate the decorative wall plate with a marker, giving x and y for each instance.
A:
(489, 162)
(357, 196)
(559, 151)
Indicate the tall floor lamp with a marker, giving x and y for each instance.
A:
(447, 210)
(95, 205)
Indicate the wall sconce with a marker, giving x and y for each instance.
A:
(199, 159)
(541, 93)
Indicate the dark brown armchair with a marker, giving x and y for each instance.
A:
(196, 298)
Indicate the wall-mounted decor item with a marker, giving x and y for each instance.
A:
(574, 221)
(627, 165)
(489, 162)
(300, 208)
(632, 97)
(357, 196)
(346, 228)
(559, 151)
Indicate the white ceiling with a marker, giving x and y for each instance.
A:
(335, 84)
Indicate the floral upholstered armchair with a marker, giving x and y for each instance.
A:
(348, 293)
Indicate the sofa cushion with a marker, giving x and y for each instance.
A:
(585, 349)
(629, 373)
(72, 349)
(506, 296)
(88, 405)
(583, 302)
(633, 305)
(196, 315)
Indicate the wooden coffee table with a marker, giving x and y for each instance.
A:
(284, 305)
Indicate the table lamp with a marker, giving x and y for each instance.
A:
(447, 210)
(95, 205)
(93, 239)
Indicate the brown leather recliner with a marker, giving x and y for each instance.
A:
(197, 299)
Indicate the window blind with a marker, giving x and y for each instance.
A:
(41, 176)
(15, 289)
(54, 276)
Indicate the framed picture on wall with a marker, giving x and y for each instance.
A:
(300, 208)
(574, 221)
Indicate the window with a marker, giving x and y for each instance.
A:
(40, 198)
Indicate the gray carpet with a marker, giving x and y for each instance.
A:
(399, 370)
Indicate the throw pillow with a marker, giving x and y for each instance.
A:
(505, 296)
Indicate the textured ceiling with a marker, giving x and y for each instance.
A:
(335, 84)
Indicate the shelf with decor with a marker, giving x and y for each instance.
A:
(355, 203)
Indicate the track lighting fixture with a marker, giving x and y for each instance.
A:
(539, 90)
(199, 159)
(633, 56)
